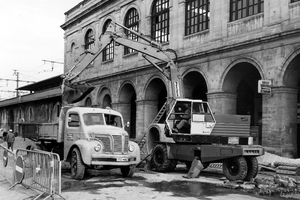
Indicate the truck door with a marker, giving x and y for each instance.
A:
(202, 121)
(72, 131)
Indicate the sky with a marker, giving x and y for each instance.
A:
(30, 33)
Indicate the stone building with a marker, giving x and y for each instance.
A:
(224, 48)
(41, 105)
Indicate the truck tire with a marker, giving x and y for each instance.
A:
(252, 165)
(128, 171)
(235, 168)
(77, 165)
(160, 158)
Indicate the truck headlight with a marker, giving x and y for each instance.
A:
(97, 148)
(131, 148)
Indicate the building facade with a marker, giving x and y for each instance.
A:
(224, 48)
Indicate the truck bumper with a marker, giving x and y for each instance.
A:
(115, 160)
(214, 153)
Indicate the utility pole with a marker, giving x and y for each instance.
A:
(16, 73)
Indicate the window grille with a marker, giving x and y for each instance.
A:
(197, 15)
(108, 52)
(89, 40)
(243, 8)
(131, 22)
(160, 21)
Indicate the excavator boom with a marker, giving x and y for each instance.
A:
(74, 91)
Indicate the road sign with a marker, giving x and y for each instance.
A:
(19, 169)
(264, 86)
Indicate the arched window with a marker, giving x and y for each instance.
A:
(88, 102)
(131, 22)
(73, 53)
(89, 40)
(106, 101)
(160, 21)
(108, 52)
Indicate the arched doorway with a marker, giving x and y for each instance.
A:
(104, 98)
(242, 80)
(10, 119)
(127, 103)
(291, 118)
(195, 86)
(155, 96)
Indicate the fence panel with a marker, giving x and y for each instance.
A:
(42, 171)
(7, 162)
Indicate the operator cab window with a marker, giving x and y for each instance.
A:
(73, 120)
(201, 112)
(113, 120)
(91, 119)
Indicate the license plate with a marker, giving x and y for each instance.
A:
(233, 140)
(122, 159)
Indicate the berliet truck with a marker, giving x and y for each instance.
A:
(171, 137)
(86, 138)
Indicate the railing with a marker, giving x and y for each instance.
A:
(38, 170)
(7, 162)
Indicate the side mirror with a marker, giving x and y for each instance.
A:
(128, 124)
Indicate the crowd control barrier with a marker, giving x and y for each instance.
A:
(39, 170)
(7, 163)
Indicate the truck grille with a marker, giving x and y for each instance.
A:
(117, 148)
(118, 144)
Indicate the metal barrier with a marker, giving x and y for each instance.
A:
(7, 163)
(39, 170)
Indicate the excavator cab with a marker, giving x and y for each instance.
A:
(190, 117)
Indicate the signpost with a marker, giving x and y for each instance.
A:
(264, 86)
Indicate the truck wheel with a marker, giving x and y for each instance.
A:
(252, 165)
(160, 158)
(235, 168)
(128, 171)
(77, 165)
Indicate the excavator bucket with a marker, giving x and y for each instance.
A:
(73, 93)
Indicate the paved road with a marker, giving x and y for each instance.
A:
(143, 185)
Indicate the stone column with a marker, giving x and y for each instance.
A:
(279, 128)
(222, 102)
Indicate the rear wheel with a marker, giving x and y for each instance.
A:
(128, 171)
(160, 158)
(252, 165)
(235, 168)
(77, 165)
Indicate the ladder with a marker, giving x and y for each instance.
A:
(158, 117)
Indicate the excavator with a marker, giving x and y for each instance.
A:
(204, 136)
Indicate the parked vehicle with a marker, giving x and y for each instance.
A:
(212, 138)
(87, 138)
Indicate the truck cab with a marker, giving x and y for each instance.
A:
(95, 138)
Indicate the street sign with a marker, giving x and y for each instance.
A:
(264, 86)
(19, 169)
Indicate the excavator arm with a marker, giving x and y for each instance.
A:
(75, 91)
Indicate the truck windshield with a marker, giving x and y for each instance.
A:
(113, 120)
(91, 119)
